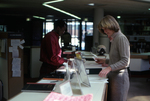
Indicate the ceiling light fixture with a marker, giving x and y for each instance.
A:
(148, 8)
(85, 19)
(50, 15)
(28, 19)
(57, 9)
(38, 17)
(118, 17)
(91, 4)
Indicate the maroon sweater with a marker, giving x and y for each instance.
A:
(51, 53)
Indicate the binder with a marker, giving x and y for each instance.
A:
(38, 87)
(59, 79)
(93, 70)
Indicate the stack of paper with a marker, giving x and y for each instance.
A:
(53, 96)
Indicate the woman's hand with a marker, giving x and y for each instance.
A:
(100, 61)
(104, 65)
(104, 72)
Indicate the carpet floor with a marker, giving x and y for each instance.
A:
(139, 87)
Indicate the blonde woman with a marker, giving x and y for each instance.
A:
(119, 59)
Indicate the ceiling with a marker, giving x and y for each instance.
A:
(79, 8)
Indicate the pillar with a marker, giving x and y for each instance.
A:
(98, 38)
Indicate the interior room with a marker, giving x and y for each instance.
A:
(31, 20)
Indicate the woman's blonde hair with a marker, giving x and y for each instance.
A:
(108, 22)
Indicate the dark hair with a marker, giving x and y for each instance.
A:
(59, 23)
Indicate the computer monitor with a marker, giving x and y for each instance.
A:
(81, 71)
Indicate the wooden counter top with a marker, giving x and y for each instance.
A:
(140, 55)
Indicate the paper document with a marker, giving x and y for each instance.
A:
(16, 73)
(66, 89)
(60, 97)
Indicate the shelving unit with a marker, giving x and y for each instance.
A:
(139, 44)
(137, 27)
(137, 30)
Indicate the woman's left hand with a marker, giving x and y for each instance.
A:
(104, 72)
(105, 65)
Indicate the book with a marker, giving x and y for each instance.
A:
(59, 79)
(93, 70)
(38, 87)
(53, 96)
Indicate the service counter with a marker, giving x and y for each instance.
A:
(140, 61)
(140, 55)
(98, 89)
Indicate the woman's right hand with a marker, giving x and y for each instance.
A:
(100, 60)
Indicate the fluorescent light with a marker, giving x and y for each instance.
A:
(57, 9)
(49, 2)
(38, 17)
(42, 18)
(91, 4)
(49, 19)
(148, 8)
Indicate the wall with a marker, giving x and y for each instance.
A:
(4, 76)
(32, 33)
(35, 63)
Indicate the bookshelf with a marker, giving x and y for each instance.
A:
(137, 30)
